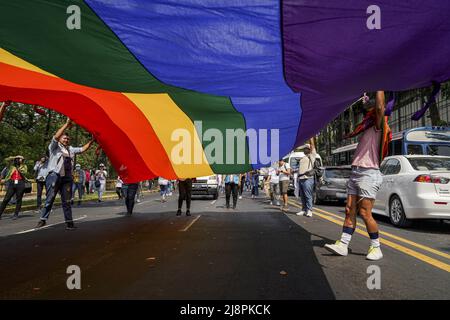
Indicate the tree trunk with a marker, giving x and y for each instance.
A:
(434, 115)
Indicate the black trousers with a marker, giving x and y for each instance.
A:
(129, 192)
(185, 193)
(13, 189)
(231, 188)
(40, 188)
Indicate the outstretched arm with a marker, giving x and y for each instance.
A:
(379, 108)
(3, 109)
(61, 130)
(87, 146)
(313, 145)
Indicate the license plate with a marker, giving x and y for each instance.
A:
(341, 195)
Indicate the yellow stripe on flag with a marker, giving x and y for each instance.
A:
(173, 127)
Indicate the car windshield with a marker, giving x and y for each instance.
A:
(338, 173)
(431, 163)
(294, 162)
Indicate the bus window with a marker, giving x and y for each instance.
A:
(438, 150)
(414, 149)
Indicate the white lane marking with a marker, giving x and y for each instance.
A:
(213, 201)
(190, 224)
(50, 225)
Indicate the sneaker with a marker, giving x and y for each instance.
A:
(374, 254)
(234, 207)
(240, 197)
(128, 214)
(70, 226)
(308, 214)
(271, 203)
(300, 213)
(15, 217)
(40, 224)
(338, 248)
(188, 213)
(179, 212)
(228, 206)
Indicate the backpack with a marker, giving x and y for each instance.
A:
(316, 171)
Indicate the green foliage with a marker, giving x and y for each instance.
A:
(27, 133)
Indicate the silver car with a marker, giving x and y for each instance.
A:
(332, 185)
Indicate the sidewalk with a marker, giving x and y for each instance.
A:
(29, 202)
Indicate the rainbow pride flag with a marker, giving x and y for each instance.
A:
(138, 70)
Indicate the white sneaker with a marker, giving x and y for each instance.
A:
(301, 213)
(271, 203)
(240, 197)
(338, 248)
(374, 254)
(308, 214)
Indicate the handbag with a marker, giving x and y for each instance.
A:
(97, 184)
(28, 187)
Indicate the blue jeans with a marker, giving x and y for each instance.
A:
(306, 193)
(54, 184)
(80, 188)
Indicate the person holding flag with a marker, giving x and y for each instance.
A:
(59, 177)
(365, 179)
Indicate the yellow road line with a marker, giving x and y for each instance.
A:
(415, 254)
(412, 243)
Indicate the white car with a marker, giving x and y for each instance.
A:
(414, 187)
(205, 186)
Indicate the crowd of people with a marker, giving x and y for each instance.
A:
(55, 172)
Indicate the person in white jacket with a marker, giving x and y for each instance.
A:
(100, 178)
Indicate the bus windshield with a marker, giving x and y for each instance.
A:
(438, 150)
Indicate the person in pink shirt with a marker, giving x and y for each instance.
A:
(364, 184)
(87, 180)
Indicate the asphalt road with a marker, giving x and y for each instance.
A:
(253, 252)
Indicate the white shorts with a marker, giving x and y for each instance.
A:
(364, 182)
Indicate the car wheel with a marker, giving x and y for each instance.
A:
(397, 213)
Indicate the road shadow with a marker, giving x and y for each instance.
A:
(146, 256)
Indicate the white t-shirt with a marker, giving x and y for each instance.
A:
(283, 176)
(101, 175)
(163, 181)
(274, 178)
